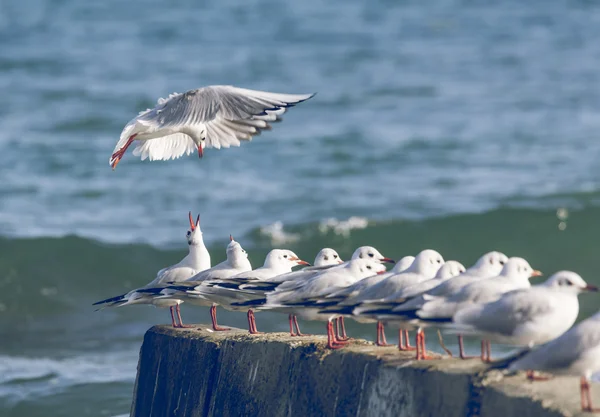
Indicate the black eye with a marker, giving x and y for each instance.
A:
(501, 262)
(335, 256)
(371, 255)
(368, 267)
(285, 256)
(326, 258)
(439, 261)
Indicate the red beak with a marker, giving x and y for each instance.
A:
(192, 222)
(388, 260)
(381, 272)
(230, 238)
(591, 288)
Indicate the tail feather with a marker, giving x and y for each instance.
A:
(113, 300)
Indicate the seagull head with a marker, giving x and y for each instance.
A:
(427, 263)
(369, 252)
(283, 260)
(519, 268)
(363, 268)
(569, 282)
(194, 235)
(236, 255)
(449, 270)
(403, 264)
(326, 257)
(489, 265)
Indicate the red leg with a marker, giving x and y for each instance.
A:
(488, 350)
(461, 348)
(213, 317)
(332, 343)
(186, 326)
(407, 338)
(421, 351)
(116, 157)
(253, 321)
(403, 341)
(173, 317)
(343, 326)
(291, 320)
(298, 332)
(249, 316)
(200, 152)
(586, 397)
(381, 341)
(337, 329)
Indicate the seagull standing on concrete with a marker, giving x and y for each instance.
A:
(209, 117)
(302, 299)
(576, 352)
(529, 316)
(197, 260)
(236, 263)
(226, 291)
(487, 266)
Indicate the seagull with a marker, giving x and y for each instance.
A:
(197, 260)
(515, 275)
(236, 263)
(487, 266)
(301, 300)
(225, 291)
(325, 259)
(576, 352)
(209, 117)
(529, 316)
(424, 267)
(382, 310)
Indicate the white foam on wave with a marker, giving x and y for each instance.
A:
(22, 377)
(343, 227)
(277, 235)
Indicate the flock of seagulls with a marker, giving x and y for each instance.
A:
(492, 300)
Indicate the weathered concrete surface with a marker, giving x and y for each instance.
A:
(190, 372)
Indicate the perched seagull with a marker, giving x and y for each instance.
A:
(515, 275)
(226, 293)
(424, 267)
(369, 252)
(236, 263)
(576, 352)
(487, 266)
(197, 260)
(529, 316)
(325, 259)
(209, 117)
(301, 300)
(382, 310)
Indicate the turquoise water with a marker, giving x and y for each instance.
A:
(457, 125)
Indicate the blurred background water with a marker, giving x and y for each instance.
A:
(462, 126)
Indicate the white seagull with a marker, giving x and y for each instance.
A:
(487, 266)
(576, 352)
(302, 300)
(515, 275)
(209, 117)
(197, 260)
(236, 263)
(226, 293)
(529, 316)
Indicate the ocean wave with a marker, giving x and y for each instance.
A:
(22, 377)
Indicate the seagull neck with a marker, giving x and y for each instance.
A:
(198, 257)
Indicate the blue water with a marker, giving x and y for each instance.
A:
(424, 112)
